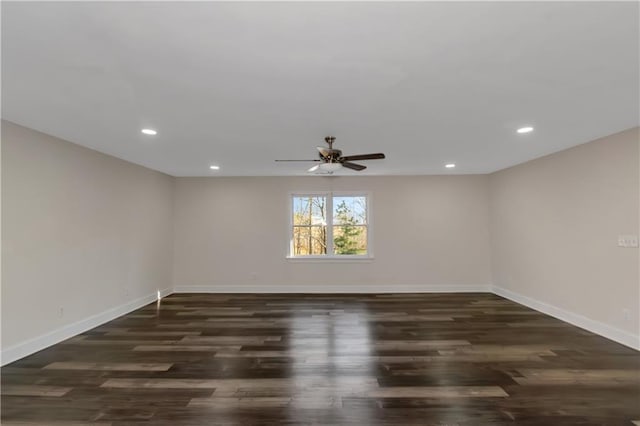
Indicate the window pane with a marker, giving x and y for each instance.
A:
(300, 240)
(318, 240)
(309, 210)
(350, 210)
(309, 240)
(350, 239)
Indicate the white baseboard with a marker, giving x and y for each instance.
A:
(36, 344)
(597, 327)
(332, 288)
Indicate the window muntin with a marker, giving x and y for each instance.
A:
(344, 233)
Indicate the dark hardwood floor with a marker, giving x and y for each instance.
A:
(403, 359)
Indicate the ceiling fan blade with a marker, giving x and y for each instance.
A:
(353, 166)
(314, 168)
(308, 161)
(377, 156)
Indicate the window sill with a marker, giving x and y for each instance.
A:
(330, 259)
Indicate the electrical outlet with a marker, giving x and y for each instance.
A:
(60, 312)
(626, 314)
(628, 241)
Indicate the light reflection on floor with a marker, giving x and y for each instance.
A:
(330, 360)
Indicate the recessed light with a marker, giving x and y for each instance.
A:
(214, 167)
(450, 166)
(149, 132)
(526, 129)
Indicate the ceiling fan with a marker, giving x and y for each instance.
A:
(331, 159)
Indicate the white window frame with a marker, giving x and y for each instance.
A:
(331, 257)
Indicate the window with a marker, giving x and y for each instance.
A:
(330, 225)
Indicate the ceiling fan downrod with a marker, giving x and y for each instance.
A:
(329, 140)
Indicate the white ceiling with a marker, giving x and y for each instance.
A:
(243, 84)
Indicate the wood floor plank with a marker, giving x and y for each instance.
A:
(55, 423)
(230, 340)
(248, 402)
(558, 376)
(160, 383)
(34, 390)
(112, 366)
(184, 348)
(147, 333)
(438, 392)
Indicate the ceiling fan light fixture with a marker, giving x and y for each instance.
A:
(330, 167)
(314, 168)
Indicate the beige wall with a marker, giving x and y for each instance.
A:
(428, 231)
(554, 227)
(86, 232)
(81, 231)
